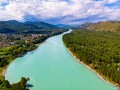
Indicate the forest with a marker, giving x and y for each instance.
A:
(99, 50)
(5, 85)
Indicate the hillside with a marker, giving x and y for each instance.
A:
(13, 26)
(111, 26)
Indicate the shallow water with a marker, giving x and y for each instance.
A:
(52, 67)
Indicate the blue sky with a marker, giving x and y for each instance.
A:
(60, 11)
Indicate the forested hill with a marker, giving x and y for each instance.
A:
(111, 26)
(13, 26)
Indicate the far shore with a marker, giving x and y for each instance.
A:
(100, 76)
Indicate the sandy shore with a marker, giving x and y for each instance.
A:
(4, 71)
(98, 74)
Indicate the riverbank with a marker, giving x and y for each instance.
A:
(4, 72)
(100, 76)
(35, 45)
(4, 69)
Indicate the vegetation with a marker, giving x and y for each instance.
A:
(100, 50)
(7, 54)
(5, 85)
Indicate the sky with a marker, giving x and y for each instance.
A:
(60, 11)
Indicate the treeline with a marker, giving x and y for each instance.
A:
(100, 50)
(5, 85)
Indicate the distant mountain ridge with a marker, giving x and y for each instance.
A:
(111, 26)
(65, 26)
(13, 26)
(42, 25)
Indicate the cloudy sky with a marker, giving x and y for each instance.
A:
(60, 11)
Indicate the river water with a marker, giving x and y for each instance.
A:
(52, 67)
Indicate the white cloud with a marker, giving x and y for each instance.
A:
(112, 1)
(47, 9)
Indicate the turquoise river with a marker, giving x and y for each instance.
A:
(52, 67)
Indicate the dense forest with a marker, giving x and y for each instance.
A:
(99, 50)
(5, 85)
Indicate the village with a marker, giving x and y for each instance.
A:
(7, 40)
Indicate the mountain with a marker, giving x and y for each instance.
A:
(66, 26)
(42, 25)
(111, 26)
(13, 26)
(63, 26)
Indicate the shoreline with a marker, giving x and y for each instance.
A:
(3, 72)
(4, 69)
(100, 76)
